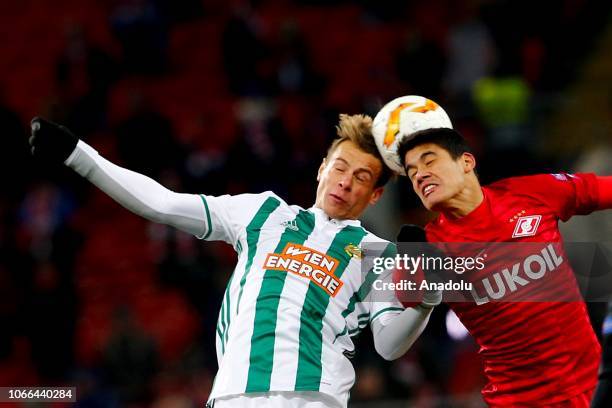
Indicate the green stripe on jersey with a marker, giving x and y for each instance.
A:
(261, 359)
(224, 315)
(309, 369)
(253, 230)
(221, 325)
(228, 309)
(366, 286)
(208, 222)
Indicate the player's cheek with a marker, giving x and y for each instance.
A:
(415, 188)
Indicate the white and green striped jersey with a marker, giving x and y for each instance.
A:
(296, 297)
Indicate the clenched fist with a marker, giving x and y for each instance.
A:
(51, 142)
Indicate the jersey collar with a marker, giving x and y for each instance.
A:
(323, 217)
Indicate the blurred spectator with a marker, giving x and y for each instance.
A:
(141, 30)
(471, 54)
(369, 384)
(91, 391)
(295, 74)
(180, 11)
(15, 150)
(49, 246)
(205, 159)
(382, 11)
(421, 64)
(85, 74)
(533, 52)
(243, 51)
(502, 103)
(130, 359)
(261, 155)
(10, 298)
(44, 212)
(147, 129)
(50, 320)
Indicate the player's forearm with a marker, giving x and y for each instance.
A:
(604, 184)
(394, 338)
(138, 193)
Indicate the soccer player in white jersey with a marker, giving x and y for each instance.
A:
(298, 293)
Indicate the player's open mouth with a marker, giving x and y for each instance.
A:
(428, 189)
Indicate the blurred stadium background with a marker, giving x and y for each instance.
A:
(236, 96)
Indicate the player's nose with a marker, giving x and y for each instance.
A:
(345, 181)
(421, 176)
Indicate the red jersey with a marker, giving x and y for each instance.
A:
(534, 353)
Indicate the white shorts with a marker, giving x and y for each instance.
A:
(276, 399)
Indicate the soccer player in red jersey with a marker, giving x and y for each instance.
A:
(534, 353)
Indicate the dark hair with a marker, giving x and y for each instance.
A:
(358, 129)
(448, 139)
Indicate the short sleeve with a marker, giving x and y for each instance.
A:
(566, 194)
(227, 215)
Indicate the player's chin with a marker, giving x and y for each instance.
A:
(430, 202)
(336, 210)
(425, 201)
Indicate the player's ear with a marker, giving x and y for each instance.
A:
(321, 168)
(376, 194)
(468, 161)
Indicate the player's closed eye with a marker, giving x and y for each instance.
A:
(363, 178)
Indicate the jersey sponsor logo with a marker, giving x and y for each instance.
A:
(308, 263)
(527, 226)
(522, 273)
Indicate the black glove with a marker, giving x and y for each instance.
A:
(411, 233)
(51, 142)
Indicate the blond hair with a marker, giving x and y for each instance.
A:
(358, 129)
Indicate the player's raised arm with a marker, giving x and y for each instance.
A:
(394, 334)
(53, 143)
(604, 184)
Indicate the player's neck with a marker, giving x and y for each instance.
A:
(463, 203)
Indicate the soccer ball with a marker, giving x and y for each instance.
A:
(399, 119)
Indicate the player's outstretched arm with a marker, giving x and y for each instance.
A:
(605, 192)
(140, 194)
(396, 334)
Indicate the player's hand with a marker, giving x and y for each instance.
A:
(51, 142)
(431, 298)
